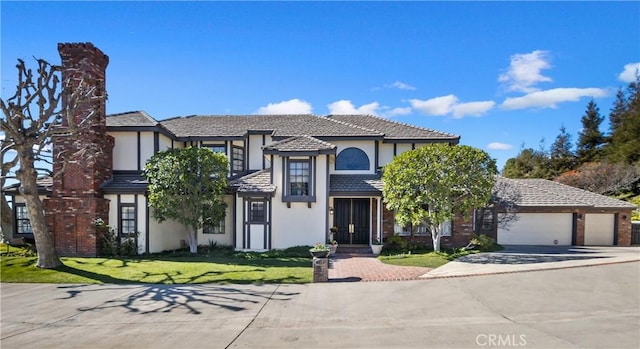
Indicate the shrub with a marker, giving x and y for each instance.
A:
(396, 242)
(110, 246)
(482, 242)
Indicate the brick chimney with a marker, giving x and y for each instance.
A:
(76, 199)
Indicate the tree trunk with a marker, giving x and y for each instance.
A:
(27, 175)
(435, 237)
(7, 217)
(193, 240)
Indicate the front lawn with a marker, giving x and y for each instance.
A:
(426, 259)
(162, 269)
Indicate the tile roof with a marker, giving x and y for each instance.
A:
(394, 129)
(364, 183)
(546, 193)
(256, 182)
(125, 182)
(44, 184)
(280, 126)
(300, 144)
(132, 118)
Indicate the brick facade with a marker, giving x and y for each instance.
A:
(76, 199)
(462, 230)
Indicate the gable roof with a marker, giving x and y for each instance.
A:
(545, 193)
(131, 118)
(44, 183)
(278, 126)
(300, 145)
(255, 183)
(125, 182)
(394, 130)
(354, 184)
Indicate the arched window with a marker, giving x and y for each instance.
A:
(352, 159)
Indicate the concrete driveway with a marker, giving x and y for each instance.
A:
(533, 258)
(595, 307)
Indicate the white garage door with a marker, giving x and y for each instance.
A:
(538, 229)
(598, 229)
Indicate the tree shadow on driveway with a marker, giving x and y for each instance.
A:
(532, 255)
(162, 298)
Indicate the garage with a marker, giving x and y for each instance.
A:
(599, 228)
(538, 229)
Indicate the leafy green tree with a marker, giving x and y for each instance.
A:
(529, 163)
(561, 154)
(188, 186)
(430, 185)
(590, 139)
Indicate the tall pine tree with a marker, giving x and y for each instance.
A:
(562, 157)
(625, 137)
(590, 139)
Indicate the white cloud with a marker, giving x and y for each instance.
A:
(401, 86)
(292, 106)
(345, 107)
(499, 146)
(472, 108)
(524, 71)
(550, 98)
(443, 105)
(397, 111)
(629, 72)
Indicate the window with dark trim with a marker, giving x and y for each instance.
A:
(484, 219)
(23, 222)
(352, 159)
(128, 222)
(217, 148)
(214, 228)
(237, 160)
(257, 212)
(299, 179)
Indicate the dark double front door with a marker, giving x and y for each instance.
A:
(352, 218)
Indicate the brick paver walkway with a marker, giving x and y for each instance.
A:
(358, 267)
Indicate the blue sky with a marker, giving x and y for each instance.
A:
(498, 74)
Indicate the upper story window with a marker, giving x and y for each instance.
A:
(217, 148)
(299, 180)
(23, 223)
(237, 160)
(352, 159)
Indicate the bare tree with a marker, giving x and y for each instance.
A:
(504, 200)
(9, 160)
(31, 117)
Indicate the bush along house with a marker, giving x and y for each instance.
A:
(291, 179)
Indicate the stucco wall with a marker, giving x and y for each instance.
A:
(125, 151)
(221, 239)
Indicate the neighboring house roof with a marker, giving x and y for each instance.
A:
(125, 183)
(546, 193)
(255, 183)
(44, 186)
(300, 145)
(354, 183)
(394, 130)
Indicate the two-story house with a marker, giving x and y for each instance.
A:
(292, 177)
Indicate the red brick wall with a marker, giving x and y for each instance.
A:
(76, 199)
(461, 234)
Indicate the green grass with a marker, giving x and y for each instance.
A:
(160, 269)
(427, 259)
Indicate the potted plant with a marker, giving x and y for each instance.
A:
(332, 232)
(376, 246)
(320, 250)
